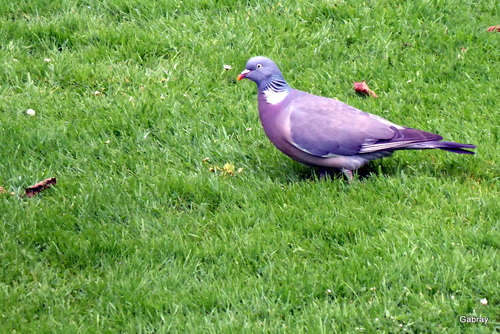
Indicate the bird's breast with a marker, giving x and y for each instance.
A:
(275, 120)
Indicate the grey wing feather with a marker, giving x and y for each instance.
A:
(403, 138)
(325, 127)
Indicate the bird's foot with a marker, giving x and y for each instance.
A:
(348, 174)
(323, 173)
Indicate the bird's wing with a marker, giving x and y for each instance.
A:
(325, 128)
(403, 138)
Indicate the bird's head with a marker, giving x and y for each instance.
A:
(260, 70)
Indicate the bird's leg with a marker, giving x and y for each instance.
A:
(323, 173)
(348, 174)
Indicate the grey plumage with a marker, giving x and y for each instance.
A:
(327, 133)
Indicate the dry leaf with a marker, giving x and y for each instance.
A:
(40, 186)
(227, 169)
(362, 87)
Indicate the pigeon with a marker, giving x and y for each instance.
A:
(326, 133)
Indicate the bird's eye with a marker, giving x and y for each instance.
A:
(259, 66)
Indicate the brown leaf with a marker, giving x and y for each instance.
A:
(362, 87)
(494, 28)
(39, 187)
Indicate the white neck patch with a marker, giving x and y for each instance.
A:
(273, 97)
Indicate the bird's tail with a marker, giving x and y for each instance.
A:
(444, 145)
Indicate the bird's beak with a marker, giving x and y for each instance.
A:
(243, 75)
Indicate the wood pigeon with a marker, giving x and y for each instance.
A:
(327, 133)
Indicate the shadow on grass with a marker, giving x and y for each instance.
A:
(294, 171)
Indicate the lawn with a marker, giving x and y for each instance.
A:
(173, 213)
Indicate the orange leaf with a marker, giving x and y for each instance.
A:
(362, 87)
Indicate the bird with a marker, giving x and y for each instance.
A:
(327, 133)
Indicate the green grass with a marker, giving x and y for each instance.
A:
(139, 236)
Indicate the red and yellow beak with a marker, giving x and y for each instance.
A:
(243, 75)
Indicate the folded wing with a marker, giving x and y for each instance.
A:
(325, 128)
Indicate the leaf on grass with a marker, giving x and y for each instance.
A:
(227, 169)
(40, 186)
(362, 88)
(494, 28)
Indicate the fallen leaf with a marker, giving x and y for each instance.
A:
(227, 169)
(494, 28)
(362, 88)
(39, 187)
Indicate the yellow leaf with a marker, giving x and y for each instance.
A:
(229, 168)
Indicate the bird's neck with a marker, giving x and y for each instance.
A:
(275, 90)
